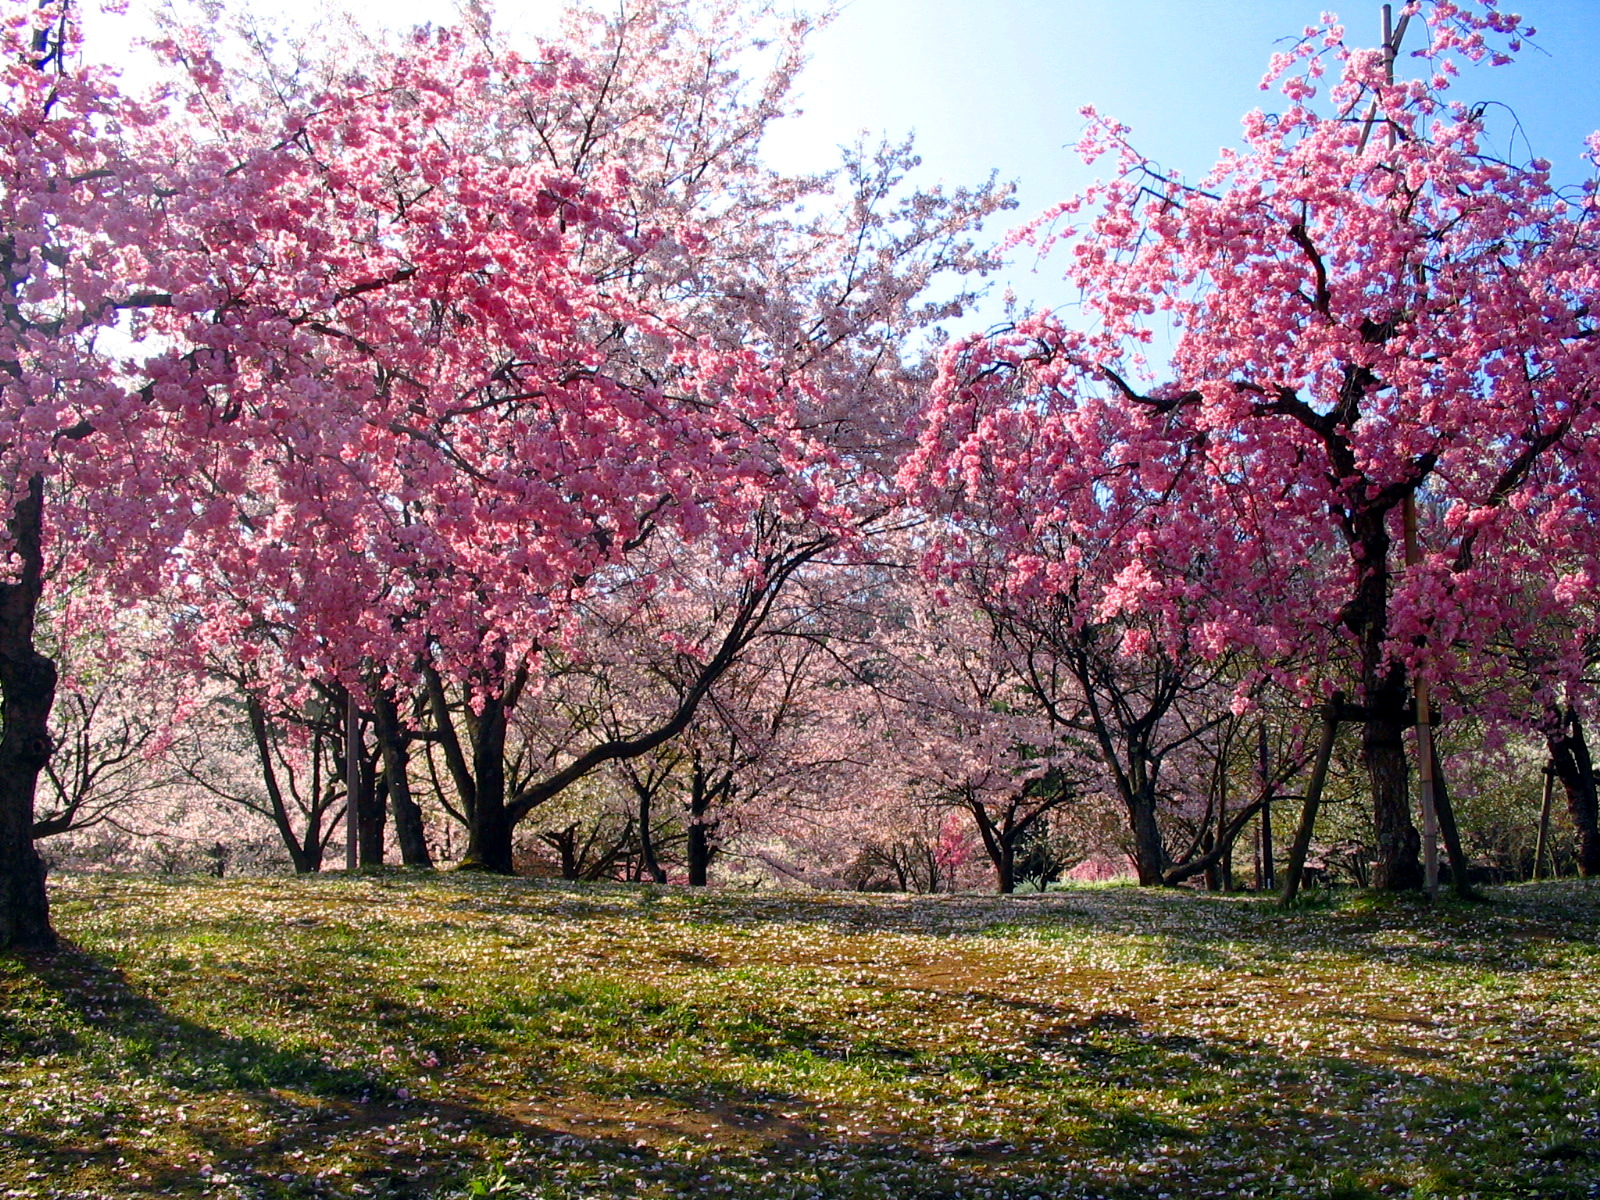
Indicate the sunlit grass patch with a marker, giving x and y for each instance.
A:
(441, 1037)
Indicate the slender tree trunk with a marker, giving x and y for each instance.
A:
(367, 806)
(395, 750)
(1448, 830)
(1224, 869)
(306, 856)
(1543, 841)
(647, 841)
(1301, 845)
(27, 690)
(1569, 755)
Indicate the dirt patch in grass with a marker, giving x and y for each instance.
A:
(450, 1036)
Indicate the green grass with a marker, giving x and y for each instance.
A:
(461, 1036)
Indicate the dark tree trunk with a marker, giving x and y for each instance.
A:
(647, 841)
(481, 781)
(306, 856)
(565, 843)
(1213, 873)
(1294, 868)
(702, 848)
(1149, 853)
(27, 690)
(1442, 805)
(999, 842)
(1384, 697)
(1005, 867)
(368, 806)
(699, 854)
(1383, 751)
(394, 747)
(373, 814)
(1569, 755)
(489, 834)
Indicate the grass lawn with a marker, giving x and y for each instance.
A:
(463, 1036)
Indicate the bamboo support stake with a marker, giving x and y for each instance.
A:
(1264, 873)
(1543, 844)
(352, 782)
(1430, 814)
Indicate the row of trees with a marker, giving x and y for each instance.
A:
(487, 432)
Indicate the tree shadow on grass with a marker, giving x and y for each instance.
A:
(1111, 1095)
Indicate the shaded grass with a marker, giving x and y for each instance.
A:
(461, 1035)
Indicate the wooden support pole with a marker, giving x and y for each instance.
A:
(1544, 822)
(352, 782)
(1295, 867)
(1425, 756)
(1264, 874)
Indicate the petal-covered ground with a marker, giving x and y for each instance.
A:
(454, 1036)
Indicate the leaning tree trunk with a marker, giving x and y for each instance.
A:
(998, 844)
(1449, 831)
(408, 829)
(27, 690)
(1569, 755)
(647, 841)
(306, 856)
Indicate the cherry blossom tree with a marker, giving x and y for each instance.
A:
(89, 186)
(655, 345)
(1361, 321)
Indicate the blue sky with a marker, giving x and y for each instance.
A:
(997, 85)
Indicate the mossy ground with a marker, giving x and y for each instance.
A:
(392, 1036)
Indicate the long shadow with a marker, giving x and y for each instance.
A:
(1109, 1088)
(1094, 1117)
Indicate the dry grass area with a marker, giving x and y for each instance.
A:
(403, 1036)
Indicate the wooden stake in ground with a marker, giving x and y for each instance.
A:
(352, 780)
(1543, 843)
(1425, 757)
(1264, 873)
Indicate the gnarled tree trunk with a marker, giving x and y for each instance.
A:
(1569, 756)
(27, 690)
(393, 746)
(1384, 697)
